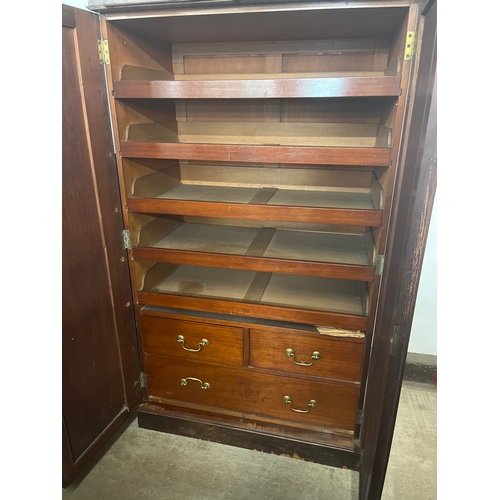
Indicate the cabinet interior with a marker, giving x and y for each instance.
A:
(257, 160)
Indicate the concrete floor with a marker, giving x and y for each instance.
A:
(140, 464)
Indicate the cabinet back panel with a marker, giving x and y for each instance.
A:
(228, 64)
(312, 63)
(225, 110)
(286, 134)
(274, 57)
(317, 179)
(282, 110)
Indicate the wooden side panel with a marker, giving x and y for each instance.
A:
(416, 185)
(99, 362)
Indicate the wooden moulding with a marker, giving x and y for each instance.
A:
(373, 157)
(259, 89)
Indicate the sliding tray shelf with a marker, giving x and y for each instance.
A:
(321, 215)
(302, 299)
(305, 131)
(296, 195)
(367, 86)
(308, 253)
(374, 157)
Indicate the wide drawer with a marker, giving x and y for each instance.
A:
(247, 391)
(307, 354)
(191, 340)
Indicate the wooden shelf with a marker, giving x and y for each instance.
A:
(310, 300)
(308, 253)
(373, 157)
(350, 86)
(328, 207)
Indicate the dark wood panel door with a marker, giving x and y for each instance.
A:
(408, 233)
(99, 365)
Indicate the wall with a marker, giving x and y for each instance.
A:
(82, 4)
(423, 339)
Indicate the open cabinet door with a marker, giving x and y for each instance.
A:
(100, 367)
(411, 219)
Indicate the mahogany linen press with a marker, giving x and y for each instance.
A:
(247, 189)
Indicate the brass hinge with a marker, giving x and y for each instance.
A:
(395, 339)
(380, 265)
(410, 45)
(143, 380)
(102, 46)
(126, 239)
(360, 417)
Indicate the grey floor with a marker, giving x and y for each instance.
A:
(140, 464)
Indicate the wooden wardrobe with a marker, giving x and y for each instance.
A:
(254, 182)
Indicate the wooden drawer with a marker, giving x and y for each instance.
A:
(339, 359)
(255, 393)
(225, 343)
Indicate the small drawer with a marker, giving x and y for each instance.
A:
(326, 404)
(307, 353)
(191, 340)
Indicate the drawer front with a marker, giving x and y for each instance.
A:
(326, 357)
(254, 393)
(200, 342)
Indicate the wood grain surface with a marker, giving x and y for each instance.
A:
(255, 393)
(261, 154)
(159, 336)
(258, 89)
(339, 359)
(257, 212)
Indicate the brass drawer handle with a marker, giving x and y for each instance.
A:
(204, 385)
(203, 343)
(311, 404)
(314, 356)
